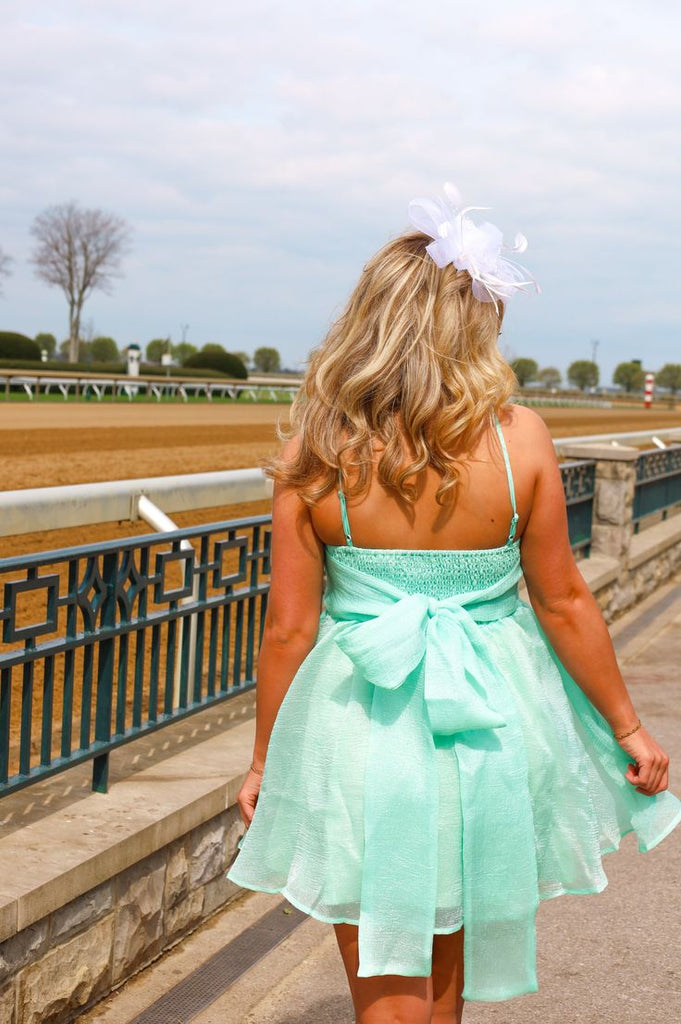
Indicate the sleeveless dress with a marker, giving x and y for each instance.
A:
(433, 765)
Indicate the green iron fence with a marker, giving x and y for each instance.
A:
(579, 479)
(106, 642)
(658, 483)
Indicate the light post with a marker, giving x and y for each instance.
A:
(594, 349)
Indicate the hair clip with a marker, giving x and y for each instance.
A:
(474, 248)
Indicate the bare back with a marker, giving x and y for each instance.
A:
(479, 518)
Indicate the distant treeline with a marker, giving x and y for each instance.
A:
(102, 354)
(585, 374)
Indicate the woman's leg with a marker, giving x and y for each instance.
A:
(385, 999)
(447, 978)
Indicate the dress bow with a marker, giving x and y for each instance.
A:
(441, 637)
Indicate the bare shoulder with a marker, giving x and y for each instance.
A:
(284, 493)
(525, 428)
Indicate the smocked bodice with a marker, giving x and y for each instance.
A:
(433, 573)
(436, 573)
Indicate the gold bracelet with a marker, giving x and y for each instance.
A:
(624, 735)
(256, 770)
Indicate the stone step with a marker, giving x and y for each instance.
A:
(315, 992)
(169, 974)
(300, 982)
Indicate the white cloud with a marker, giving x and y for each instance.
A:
(261, 154)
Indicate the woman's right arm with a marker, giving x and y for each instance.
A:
(572, 620)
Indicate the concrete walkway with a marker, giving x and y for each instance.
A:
(614, 958)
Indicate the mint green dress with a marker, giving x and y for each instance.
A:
(433, 765)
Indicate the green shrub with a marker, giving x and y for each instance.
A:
(183, 350)
(60, 366)
(104, 350)
(18, 346)
(218, 359)
(95, 369)
(266, 360)
(156, 348)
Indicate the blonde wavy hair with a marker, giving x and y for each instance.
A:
(411, 366)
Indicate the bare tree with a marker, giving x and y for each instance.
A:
(78, 251)
(5, 264)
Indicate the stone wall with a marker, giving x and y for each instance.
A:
(624, 567)
(52, 970)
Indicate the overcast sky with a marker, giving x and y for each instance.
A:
(261, 152)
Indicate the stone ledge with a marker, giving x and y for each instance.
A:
(68, 853)
(599, 452)
(654, 541)
(599, 571)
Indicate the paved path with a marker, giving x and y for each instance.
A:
(614, 958)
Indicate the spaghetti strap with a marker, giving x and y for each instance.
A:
(344, 517)
(509, 474)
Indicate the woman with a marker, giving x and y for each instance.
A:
(432, 755)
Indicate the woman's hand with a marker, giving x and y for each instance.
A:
(649, 772)
(248, 796)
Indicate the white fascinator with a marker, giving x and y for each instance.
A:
(476, 248)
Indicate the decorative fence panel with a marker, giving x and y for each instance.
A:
(578, 483)
(658, 483)
(106, 642)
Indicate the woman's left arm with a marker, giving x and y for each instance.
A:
(291, 623)
(293, 609)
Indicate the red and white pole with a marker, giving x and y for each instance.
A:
(648, 391)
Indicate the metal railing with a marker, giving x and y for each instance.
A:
(631, 437)
(658, 483)
(33, 510)
(579, 482)
(657, 491)
(106, 642)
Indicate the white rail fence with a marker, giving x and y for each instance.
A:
(118, 385)
(660, 438)
(50, 508)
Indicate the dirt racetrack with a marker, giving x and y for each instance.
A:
(47, 444)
